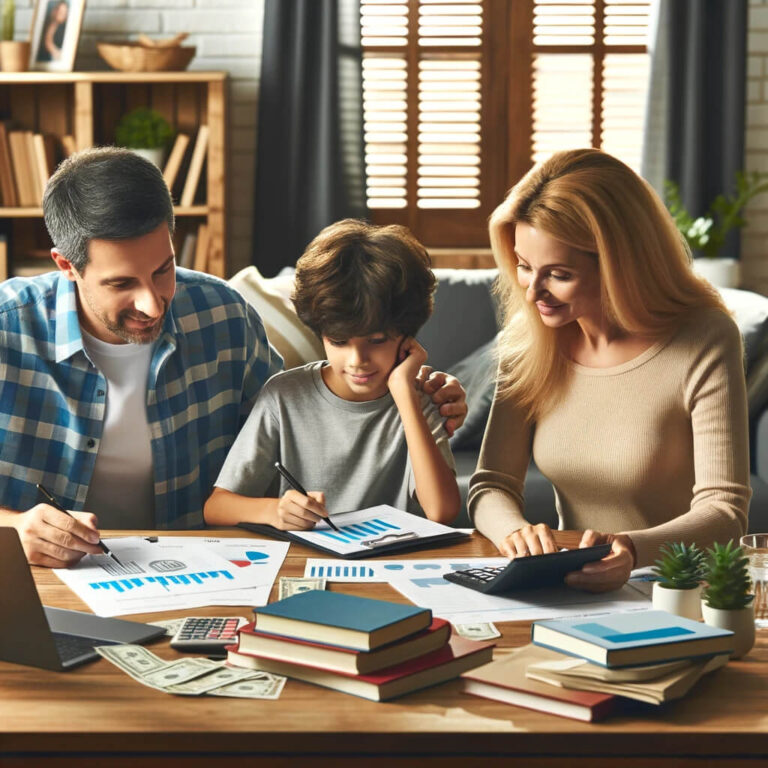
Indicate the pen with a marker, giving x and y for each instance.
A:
(54, 503)
(297, 486)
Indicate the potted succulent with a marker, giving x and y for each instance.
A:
(679, 572)
(706, 235)
(14, 54)
(727, 601)
(146, 132)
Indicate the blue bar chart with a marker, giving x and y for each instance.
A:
(167, 582)
(355, 533)
(342, 571)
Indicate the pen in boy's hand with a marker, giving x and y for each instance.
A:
(297, 486)
(52, 501)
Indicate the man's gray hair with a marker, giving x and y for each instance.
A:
(104, 193)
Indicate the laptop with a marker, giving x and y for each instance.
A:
(51, 638)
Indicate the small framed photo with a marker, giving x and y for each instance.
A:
(55, 34)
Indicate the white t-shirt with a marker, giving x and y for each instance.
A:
(121, 492)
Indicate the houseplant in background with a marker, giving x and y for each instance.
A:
(679, 571)
(14, 54)
(706, 234)
(146, 132)
(727, 601)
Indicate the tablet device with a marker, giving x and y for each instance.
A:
(530, 572)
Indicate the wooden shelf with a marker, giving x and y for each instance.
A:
(88, 105)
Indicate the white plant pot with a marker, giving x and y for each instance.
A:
(680, 602)
(723, 273)
(740, 622)
(153, 155)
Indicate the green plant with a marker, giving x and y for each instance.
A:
(7, 22)
(143, 129)
(727, 578)
(707, 233)
(680, 566)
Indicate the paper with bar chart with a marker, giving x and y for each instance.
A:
(368, 529)
(168, 573)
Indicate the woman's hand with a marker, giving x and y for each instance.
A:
(529, 540)
(609, 573)
(447, 394)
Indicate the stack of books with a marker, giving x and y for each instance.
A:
(585, 668)
(370, 648)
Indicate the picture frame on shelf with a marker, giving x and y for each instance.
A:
(55, 34)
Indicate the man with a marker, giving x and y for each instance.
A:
(123, 380)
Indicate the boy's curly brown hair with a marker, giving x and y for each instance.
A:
(356, 279)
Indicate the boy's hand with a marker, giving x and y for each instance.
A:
(447, 394)
(410, 357)
(297, 512)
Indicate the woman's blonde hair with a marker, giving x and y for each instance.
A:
(593, 202)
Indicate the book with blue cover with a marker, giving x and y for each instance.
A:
(626, 639)
(340, 619)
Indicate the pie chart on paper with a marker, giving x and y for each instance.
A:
(253, 557)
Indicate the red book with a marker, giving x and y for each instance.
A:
(335, 658)
(505, 680)
(457, 656)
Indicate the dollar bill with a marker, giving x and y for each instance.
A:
(292, 586)
(134, 660)
(177, 672)
(269, 687)
(216, 679)
(482, 631)
(171, 626)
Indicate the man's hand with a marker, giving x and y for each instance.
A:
(610, 573)
(55, 540)
(447, 393)
(297, 512)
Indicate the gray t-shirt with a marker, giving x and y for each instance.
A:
(355, 452)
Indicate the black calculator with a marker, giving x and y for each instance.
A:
(530, 572)
(207, 634)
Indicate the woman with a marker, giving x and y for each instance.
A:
(620, 372)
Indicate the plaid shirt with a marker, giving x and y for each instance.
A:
(208, 365)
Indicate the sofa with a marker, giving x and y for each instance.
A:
(460, 338)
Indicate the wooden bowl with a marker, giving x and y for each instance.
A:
(132, 57)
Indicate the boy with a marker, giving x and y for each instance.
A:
(353, 425)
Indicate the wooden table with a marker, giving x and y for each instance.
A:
(97, 716)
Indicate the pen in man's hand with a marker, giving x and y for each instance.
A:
(297, 486)
(52, 501)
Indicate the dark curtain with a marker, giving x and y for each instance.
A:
(706, 53)
(310, 168)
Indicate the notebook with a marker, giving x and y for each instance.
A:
(51, 638)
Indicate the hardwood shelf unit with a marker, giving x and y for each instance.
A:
(88, 106)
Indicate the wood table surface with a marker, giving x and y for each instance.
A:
(95, 715)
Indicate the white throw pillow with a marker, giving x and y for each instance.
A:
(272, 299)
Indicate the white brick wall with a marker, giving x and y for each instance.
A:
(754, 241)
(228, 36)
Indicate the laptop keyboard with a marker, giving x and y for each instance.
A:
(72, 647)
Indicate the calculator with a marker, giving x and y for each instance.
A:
(207, 634)
(530, 572)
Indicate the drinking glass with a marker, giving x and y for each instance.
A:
(755, 546)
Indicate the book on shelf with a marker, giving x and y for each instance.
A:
(187, 254)
(665, 685)
(456, 656)
(41, 161)
(172, 165)
(21, 159)
(202, 245)
(3, 257)
(7, 181)
(626, 639)
(68, 144)
(336, 618)
(195, 167)
(505, 680)
(333, 658)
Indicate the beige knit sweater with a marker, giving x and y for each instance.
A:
(656, 447)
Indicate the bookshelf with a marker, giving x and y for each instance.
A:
(86, 106)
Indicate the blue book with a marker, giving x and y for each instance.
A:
(630, 639)
(343, 620)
